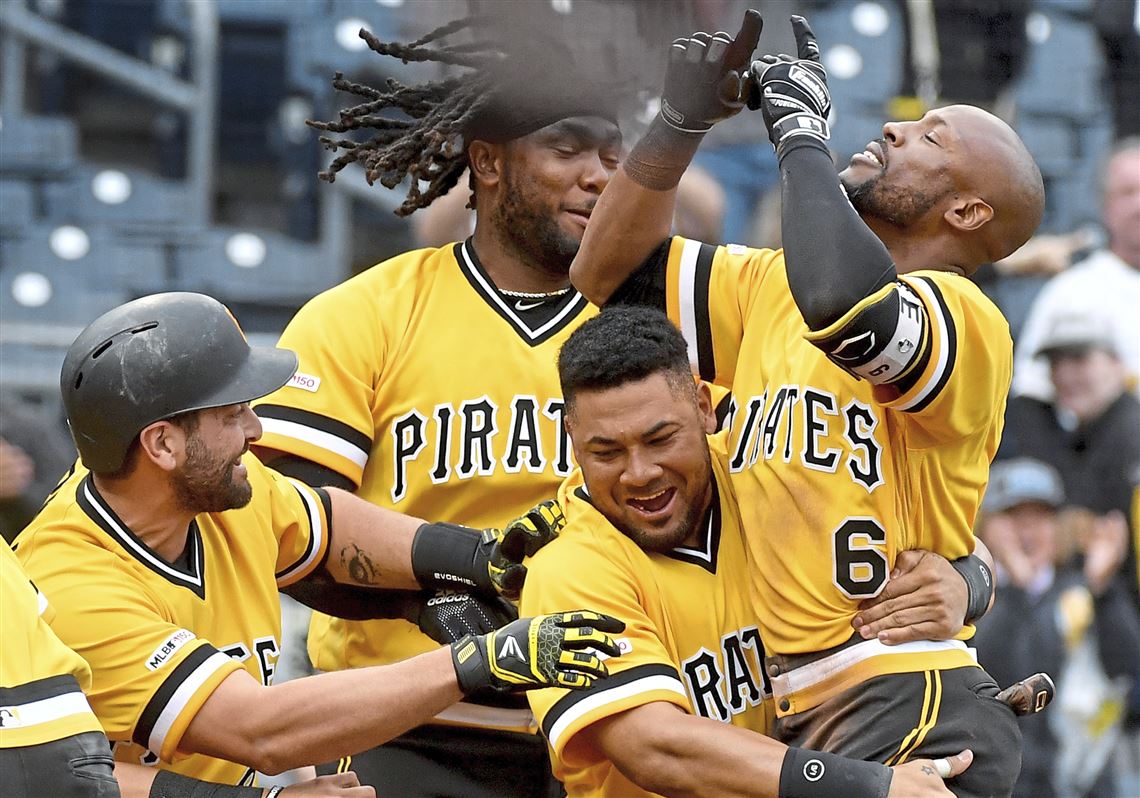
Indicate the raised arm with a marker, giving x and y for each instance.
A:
(703, 85)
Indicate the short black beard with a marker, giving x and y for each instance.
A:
(205, 485)
(876, 199)
(535, 236)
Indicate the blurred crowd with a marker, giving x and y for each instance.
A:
(1062, 513)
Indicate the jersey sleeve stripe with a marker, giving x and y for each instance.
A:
(176, 693)
(945, 338)
(317, 547)
(328, 433)
(613, 689)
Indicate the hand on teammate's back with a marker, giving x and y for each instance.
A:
(704, 80)
(921, 779)
(923, 600)
(521, 538)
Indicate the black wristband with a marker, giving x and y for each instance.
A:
(814, 774)
(979, 585)
(469, 657)
(174, 785)
(658, 160)
(445, 556)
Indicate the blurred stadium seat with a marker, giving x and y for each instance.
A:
(44, 146)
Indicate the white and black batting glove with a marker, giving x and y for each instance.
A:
(559, 650)
(450, 615)
(792, 93)
(704, 80)
(488, 561)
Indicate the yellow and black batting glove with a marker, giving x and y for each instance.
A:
(559, 650)
(520, 538)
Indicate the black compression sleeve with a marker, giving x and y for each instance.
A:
(833, 259)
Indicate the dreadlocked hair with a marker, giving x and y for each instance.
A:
(428, 147)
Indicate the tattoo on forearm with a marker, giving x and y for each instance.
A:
(359, 565)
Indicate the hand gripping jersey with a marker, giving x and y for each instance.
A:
(160, 637)
(41, 680)
(834, 475)
(691, 638)
(438, 397)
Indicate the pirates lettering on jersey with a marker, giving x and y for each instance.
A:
(727, 682)
(477, 437)
(809, 422)
(267, 651)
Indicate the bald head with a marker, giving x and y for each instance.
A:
(996, 167)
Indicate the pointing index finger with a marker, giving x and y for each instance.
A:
(806, 46)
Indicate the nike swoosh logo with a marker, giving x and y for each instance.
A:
(520, 305)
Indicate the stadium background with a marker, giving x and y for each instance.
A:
(150, 145)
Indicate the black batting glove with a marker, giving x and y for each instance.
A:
(450, 615)
(521, 538)
(559, 650)
(792, 93)
(488, 561)
(704, 81)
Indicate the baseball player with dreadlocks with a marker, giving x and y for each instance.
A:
(427, 384)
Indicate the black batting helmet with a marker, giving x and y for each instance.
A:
(156, 357)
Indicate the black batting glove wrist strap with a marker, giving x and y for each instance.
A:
(979, 585)
(469, 655)
(814, 774)
(661, 157)
(450, 556)
(174, 785)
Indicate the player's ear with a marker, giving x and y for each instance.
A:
(968, 214)
(486, 162)
(161, 443)
(706, 408)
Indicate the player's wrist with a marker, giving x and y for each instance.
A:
(814, 774)
(175, 785)
(979, 585)
(469, 657)
(448, 556)
(661, 157)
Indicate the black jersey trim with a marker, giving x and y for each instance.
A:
(307, 418)
(193, 577)
(709, 552)
(602, 686)
(40, 689)
(950, 331)
(317, 531)
(703, 273)
(568, 307)
(163, 695)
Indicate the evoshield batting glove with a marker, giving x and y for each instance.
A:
(704, 80)
(792, 94)
(559, 650)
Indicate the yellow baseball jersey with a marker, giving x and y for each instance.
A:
(835, 476)
(41, 680)
(691, 637)
(436, 395)
(161, 636)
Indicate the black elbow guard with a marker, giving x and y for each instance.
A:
(881, 339)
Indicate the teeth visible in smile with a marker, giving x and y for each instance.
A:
(647, 503)
(873, 157)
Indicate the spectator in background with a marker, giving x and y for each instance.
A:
(1077, 623)
(1106, 284)
(34, 454)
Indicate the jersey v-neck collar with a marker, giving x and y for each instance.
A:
(532, 327)
(707, 552)
(192, 576)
